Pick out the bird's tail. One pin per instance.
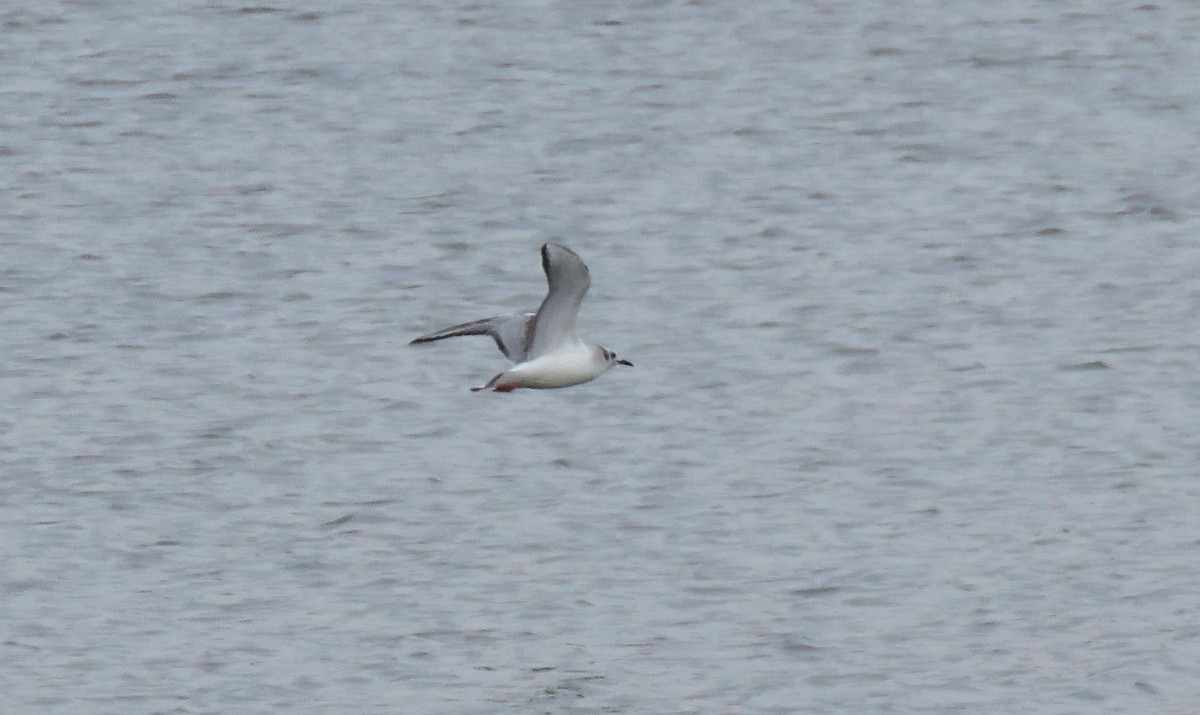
(491, 383)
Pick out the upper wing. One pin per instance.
(554, 322)
(511, 333)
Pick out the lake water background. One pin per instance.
(911, 290)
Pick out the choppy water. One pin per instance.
(911, 290)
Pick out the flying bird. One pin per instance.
(544, 347)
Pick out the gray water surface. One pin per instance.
(911, 290)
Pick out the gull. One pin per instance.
(544, 346)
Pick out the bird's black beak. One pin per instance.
(624, 362)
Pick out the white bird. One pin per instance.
(547, 351)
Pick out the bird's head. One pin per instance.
(611, 358)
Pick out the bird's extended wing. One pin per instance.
(511, 333)
(554, 322)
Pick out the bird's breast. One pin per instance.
(557, 370)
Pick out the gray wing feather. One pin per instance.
(554, 322)
(511, 333)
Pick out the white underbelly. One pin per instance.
(555, 370)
